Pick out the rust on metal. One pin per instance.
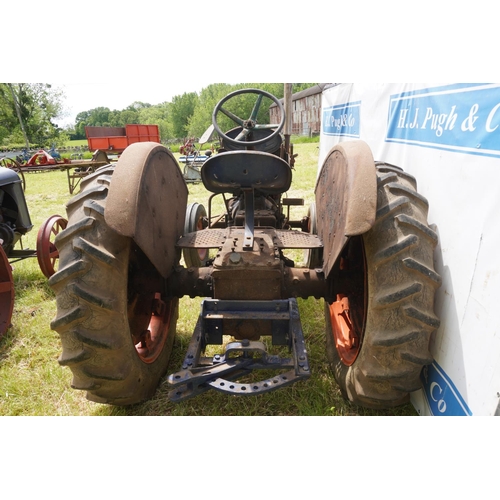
(151, 211)
(304, 283)
(349, 172)
(214, 238)
(234, 264)
(149, 343)
(205, 238)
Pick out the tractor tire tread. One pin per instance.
(91, 296)
(401, 287)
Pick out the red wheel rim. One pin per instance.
(46, 251)
(149, 314)
(348, 311)
(150, 342)
(6, 293)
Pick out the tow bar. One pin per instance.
(240, 358)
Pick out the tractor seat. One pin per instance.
(236, 170)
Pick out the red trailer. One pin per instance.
(116, 139)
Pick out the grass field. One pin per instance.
(33, 383)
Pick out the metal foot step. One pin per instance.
(241, 358)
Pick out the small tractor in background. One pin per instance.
(15, 222)
(369, 256)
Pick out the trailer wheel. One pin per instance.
(196, 220)
(379, 325)
(116, 325)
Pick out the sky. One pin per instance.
(153, 52)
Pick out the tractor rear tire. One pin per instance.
(116, 326)
(379, 326)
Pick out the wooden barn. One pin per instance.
(306, 106)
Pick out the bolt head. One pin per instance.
(235, 258)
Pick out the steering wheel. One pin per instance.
(250, 124)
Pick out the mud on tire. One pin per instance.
(389, 299)
(116, 327)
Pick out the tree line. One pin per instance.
(28, 112)
(186, 115)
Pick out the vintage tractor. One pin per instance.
(15, 222)
(369, 256)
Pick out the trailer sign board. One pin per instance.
(447, 136)
(342, 120)
(459, 118)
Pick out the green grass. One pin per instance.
(33, 383)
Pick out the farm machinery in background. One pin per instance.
(193, 157)
(103, 141)
(114, 140)
(107, 141)
(44, 161)
(36, 162)
(369, 256)
(15, 222)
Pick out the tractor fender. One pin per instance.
(346, 197)
(147, 202)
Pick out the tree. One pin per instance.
(138, 105)
(297, 87)
(181, 110)
(201, 118)
(158, 115)
(242, 107)
(19, 116)
(97, 117)
(126, 116)
(32, 107)
(104, 117)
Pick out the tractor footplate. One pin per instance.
(241, 357)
